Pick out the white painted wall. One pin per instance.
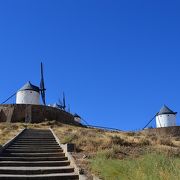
(77, 119)
(165, 120)
(27, 97)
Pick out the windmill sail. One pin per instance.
(62, 104)
(42, 87)
(64, 101)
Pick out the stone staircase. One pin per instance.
(35, 155)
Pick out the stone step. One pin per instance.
(40, 150)
(37, 131)
(36, 137)
(40, 145)
(33, 148)
(33, 142)
(36, 134)
(50, 139)
(60, 176)
(56, 158)
(23, 154)
(35, 170)
(34, 164)
(37, 141)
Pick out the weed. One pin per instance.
(117, 140)
(164, 141)
(144, 142)
(69, 138)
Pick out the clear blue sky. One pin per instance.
(117, 61)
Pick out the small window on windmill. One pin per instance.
(30, 91)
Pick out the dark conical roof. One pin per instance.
(166, 110)
(29, 86)
(76, 115)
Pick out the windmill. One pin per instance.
(29, 93)
(42, 87)
(62, 104)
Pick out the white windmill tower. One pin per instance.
(165, 118)
(30, 94)
(77, 118)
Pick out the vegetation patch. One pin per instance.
(150, 166)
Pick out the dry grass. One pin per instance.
(8, 131)
(92, 140)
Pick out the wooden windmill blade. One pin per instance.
(42, 86)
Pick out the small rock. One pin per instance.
(84, 156)
(81, 171)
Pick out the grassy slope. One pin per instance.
(125, 155)
(112, 155)
(149, 166)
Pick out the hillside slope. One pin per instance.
(114, 155)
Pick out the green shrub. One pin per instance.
(69, 138)
(110, 153)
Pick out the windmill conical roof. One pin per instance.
(76, 115)
(166, 110)
(29, 86)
